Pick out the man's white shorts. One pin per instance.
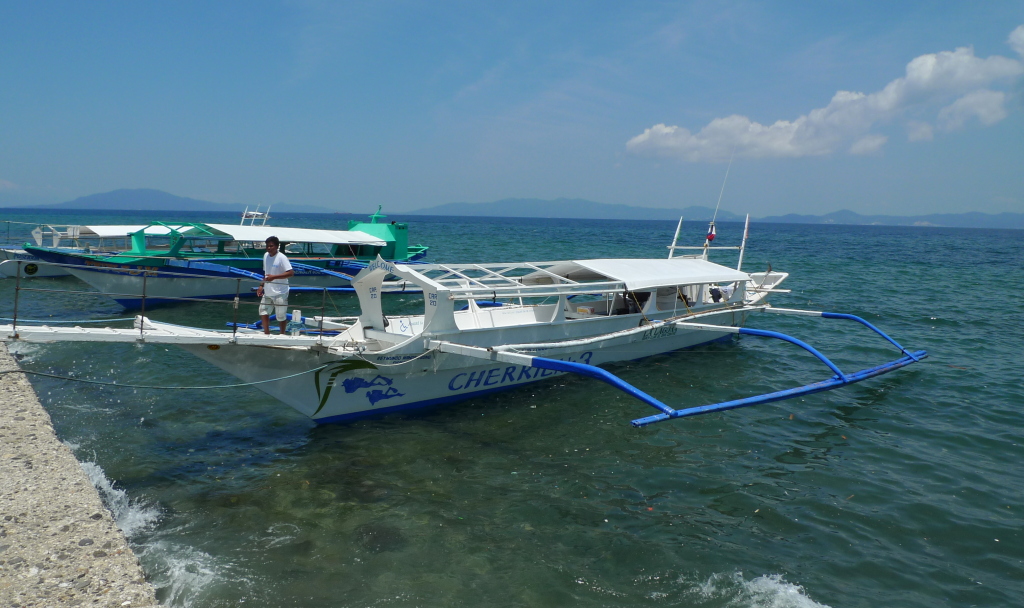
(269, 303)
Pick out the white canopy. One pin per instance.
(642, 273)
(235, 232)
(297, 235)
(114, 231)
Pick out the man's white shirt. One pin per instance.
(277, 264)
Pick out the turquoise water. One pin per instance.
(904, 490)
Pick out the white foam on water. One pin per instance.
(766, 591)
(131, 516)
(277, 534)
(184, 575)
(26, 349)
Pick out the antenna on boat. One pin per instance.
(378, 215)
(711, 226)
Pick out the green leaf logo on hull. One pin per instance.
(323, 389)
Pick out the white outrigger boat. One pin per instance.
(491, 327)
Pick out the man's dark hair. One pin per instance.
(274, 240)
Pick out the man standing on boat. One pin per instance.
(273, 291)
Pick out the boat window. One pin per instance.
(630, 302)
(692, 293)
(668, 299)
(367, 251)
(584, 306)
(721, 293)
(636, 301)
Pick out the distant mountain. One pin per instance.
(571, 208)
(951, 220)
(147, 199)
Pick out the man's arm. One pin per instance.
(284, 275)
(272, 277)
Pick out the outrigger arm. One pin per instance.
(667, 412)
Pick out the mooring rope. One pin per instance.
(45, 375)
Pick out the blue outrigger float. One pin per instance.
(494, 327)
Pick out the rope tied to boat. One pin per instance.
(640, 308)
(145, 386)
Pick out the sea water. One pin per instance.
(903, 490)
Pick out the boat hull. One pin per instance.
(350, 387)
(31, 266)
(168, 281)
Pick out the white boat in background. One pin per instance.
(170, 262)
(491, 327)
(93, 239)
(254, 216)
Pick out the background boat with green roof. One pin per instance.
(168, 262)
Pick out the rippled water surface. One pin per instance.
(904, 490)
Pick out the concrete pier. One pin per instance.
(58, 544)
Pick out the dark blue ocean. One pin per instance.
(904, 490)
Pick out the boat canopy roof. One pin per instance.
(122, 230)
(548, 278)
(297, 235)
(240, 233)
(639, 274)
(235, 232)
(443, 284)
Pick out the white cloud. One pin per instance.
(869, 144)
(1017, 40)
(986, 105)
(6, 185)
(920, 131)
(930, 80)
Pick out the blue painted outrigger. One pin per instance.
(667, 413)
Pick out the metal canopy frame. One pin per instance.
(470, 281)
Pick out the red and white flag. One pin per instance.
(711, 232)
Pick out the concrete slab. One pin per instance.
(59, 545)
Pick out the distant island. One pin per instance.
(572, 208)
(145, 199)
(148, 199)
(580, 208)
(950, 220)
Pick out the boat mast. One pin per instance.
(672, 247)
(743, 243)
(711, 226)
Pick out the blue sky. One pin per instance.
(878, 107)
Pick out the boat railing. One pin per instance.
(537, 291)
(144, 294)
